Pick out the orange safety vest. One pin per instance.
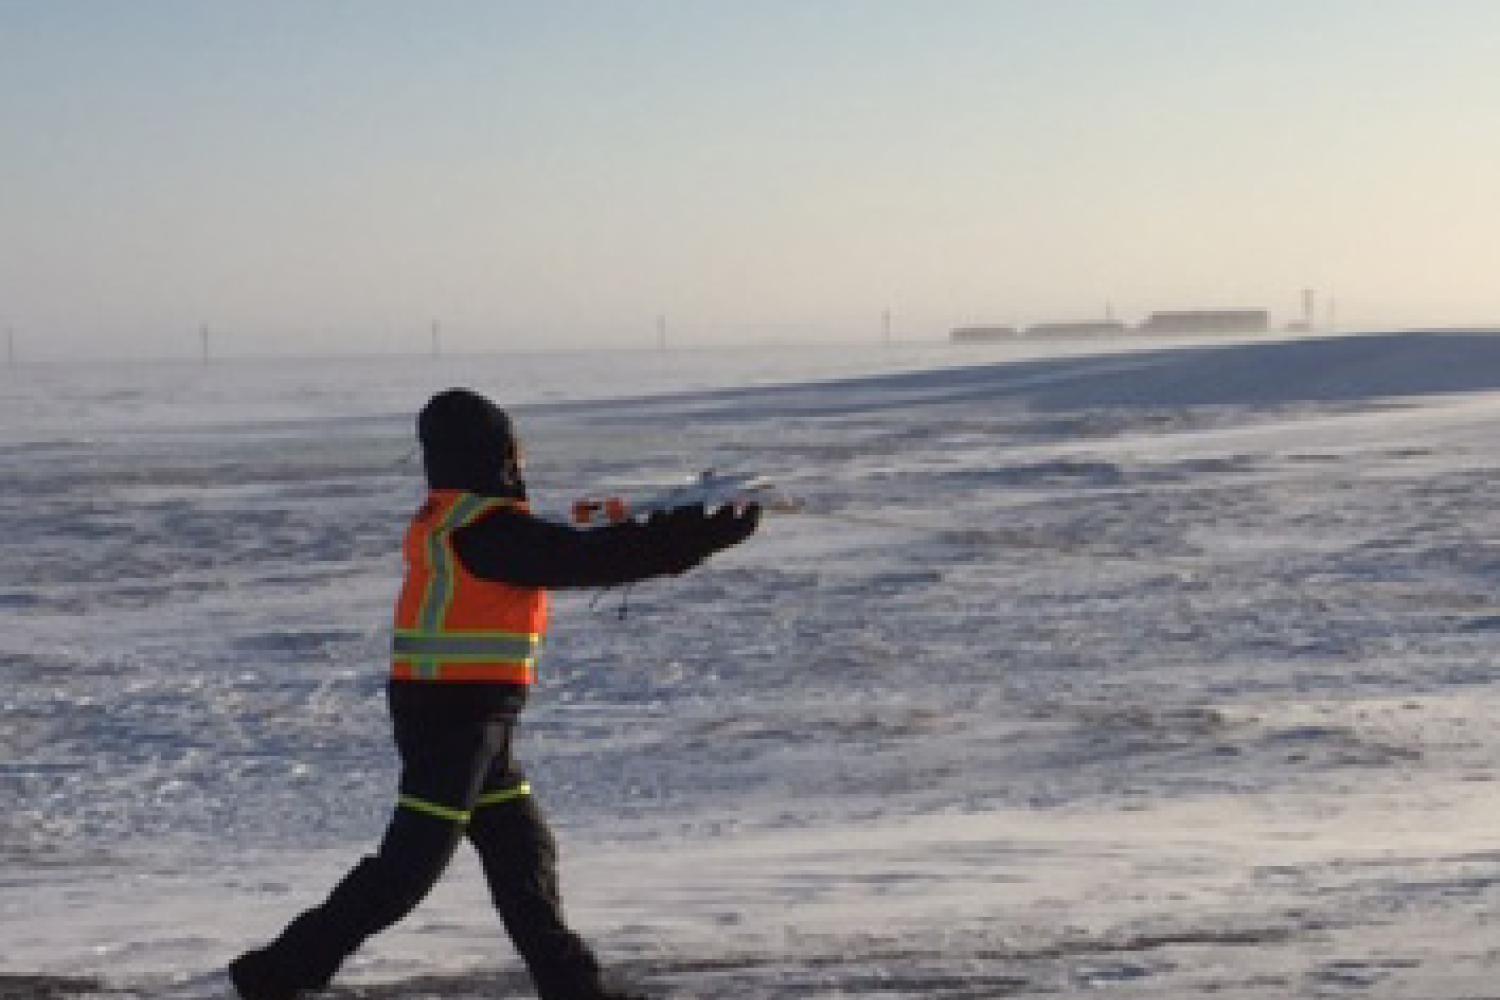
(452, 626)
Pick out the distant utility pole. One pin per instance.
(203, 339)
(885, 327)
(437, 339)
(661, 332)
(1309, 309)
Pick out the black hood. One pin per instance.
(468, 443)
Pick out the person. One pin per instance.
(470, 618)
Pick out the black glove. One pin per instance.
(730, 526)
(679, 537)
(685, 536)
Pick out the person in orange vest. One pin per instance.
(470, 618)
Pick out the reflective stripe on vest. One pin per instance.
(453, 647)
(441, 638)
(442, 586)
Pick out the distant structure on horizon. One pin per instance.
(1208, 321)
(1168, 321)
(1308, 323)
(1085, 328)
(983, 334)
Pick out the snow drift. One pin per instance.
(1161, 672)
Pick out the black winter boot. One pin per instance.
(257, 977)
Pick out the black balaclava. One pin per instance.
(468, 443)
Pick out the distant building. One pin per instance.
(1208, 321)
(1088, 328)
(982, 334)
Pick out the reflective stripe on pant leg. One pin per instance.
(504, 795)
(448, 813)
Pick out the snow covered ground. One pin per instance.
(1125, 670)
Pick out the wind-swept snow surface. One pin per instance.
(1160, 673)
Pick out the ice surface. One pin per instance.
(1164, 672)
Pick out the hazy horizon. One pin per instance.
(332, 178)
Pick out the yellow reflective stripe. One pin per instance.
(477, 633)
(504, 795)
(433, 809)
(475, 647)
(462, 514)
(438, 659)
(461, 816)
(440, 583)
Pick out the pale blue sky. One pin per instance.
(334, 175)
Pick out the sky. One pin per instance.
(340, 175)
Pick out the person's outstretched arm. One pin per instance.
(516, 548)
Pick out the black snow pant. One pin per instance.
(457, 780)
